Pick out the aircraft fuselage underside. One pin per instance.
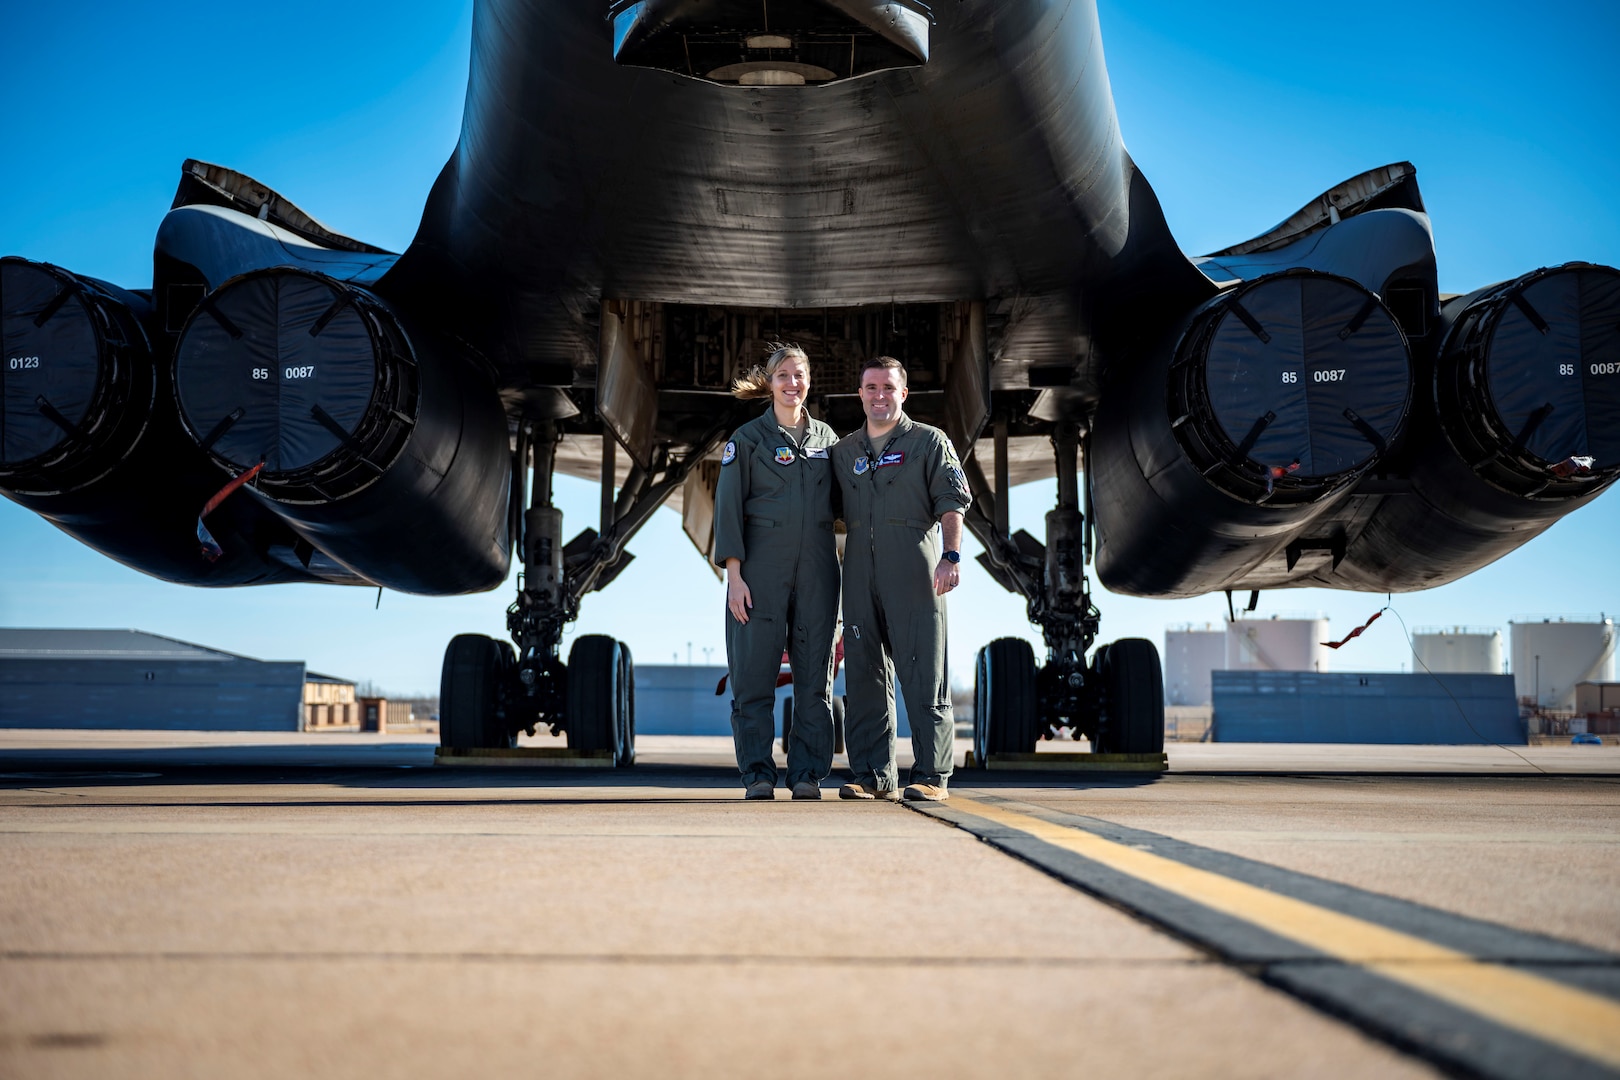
(646, 196)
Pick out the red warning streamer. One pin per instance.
(210, 547)
(1357, 632)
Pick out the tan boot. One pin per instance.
(926, 793)
(861, 791)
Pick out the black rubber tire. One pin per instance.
(1132, 720)
(1094, 722)
(787, 721)
(1005, 704)
(627, 710)
(838, 710)
(595, 695)
(472, 686)
(981, 708)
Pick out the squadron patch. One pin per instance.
(730, 453)
(815, 451)
(893, 457)
(862, 463)
(784, 455)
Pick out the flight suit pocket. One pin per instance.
(928, 651)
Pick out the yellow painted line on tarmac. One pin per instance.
(1584, 1023)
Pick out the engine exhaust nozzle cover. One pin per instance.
(1290, 385)
(309, 376)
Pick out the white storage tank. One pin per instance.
(1457, 650)
(1553, 653)
(1277, 644)
(1190, 653)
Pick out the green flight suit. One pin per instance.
(893, 623)
(773, 509)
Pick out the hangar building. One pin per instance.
(130, 679)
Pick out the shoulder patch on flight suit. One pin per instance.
(862, 463)
(893, 457)
(784, 455)
(730, 453)
(815, 451)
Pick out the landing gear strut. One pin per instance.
(488, 694)
(1117, 700)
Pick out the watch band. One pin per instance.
(953, 556)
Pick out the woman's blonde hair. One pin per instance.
(756, 381)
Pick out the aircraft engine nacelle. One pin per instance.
(1279, 394)
(1525, 429)
(1529, 378)
(89, 439)
(386, 452)
(77, 374)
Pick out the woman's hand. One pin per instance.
(738, 598)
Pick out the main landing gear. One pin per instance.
(1117, 699)
(488, 692)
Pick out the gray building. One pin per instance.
(1370, 707)
(131, 679)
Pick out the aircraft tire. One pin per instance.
(1133, 698)
(1005, 704)
(787, 721)
(627, 710)
(471, 686)
(595, 695)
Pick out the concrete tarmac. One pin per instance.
(247, 906)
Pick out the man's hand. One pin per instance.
(947, 575)
(738, 598)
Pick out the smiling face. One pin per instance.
(790, 382)
(883, 392)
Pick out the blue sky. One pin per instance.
(1236, 113)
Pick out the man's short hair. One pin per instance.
(884, 362)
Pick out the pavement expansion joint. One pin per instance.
(654, 959)
(1426, 981)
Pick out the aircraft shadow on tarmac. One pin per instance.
(368, 768)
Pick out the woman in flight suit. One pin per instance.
(773, 533)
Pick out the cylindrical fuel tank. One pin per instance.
(1276, 396)
(1522, 426)
(90, 441)
(387, 453)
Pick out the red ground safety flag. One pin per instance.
(210, 547)
(1357, 632)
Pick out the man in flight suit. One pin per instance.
(897, 477)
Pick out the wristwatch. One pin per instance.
(953, 556)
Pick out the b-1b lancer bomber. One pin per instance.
(644, 194)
